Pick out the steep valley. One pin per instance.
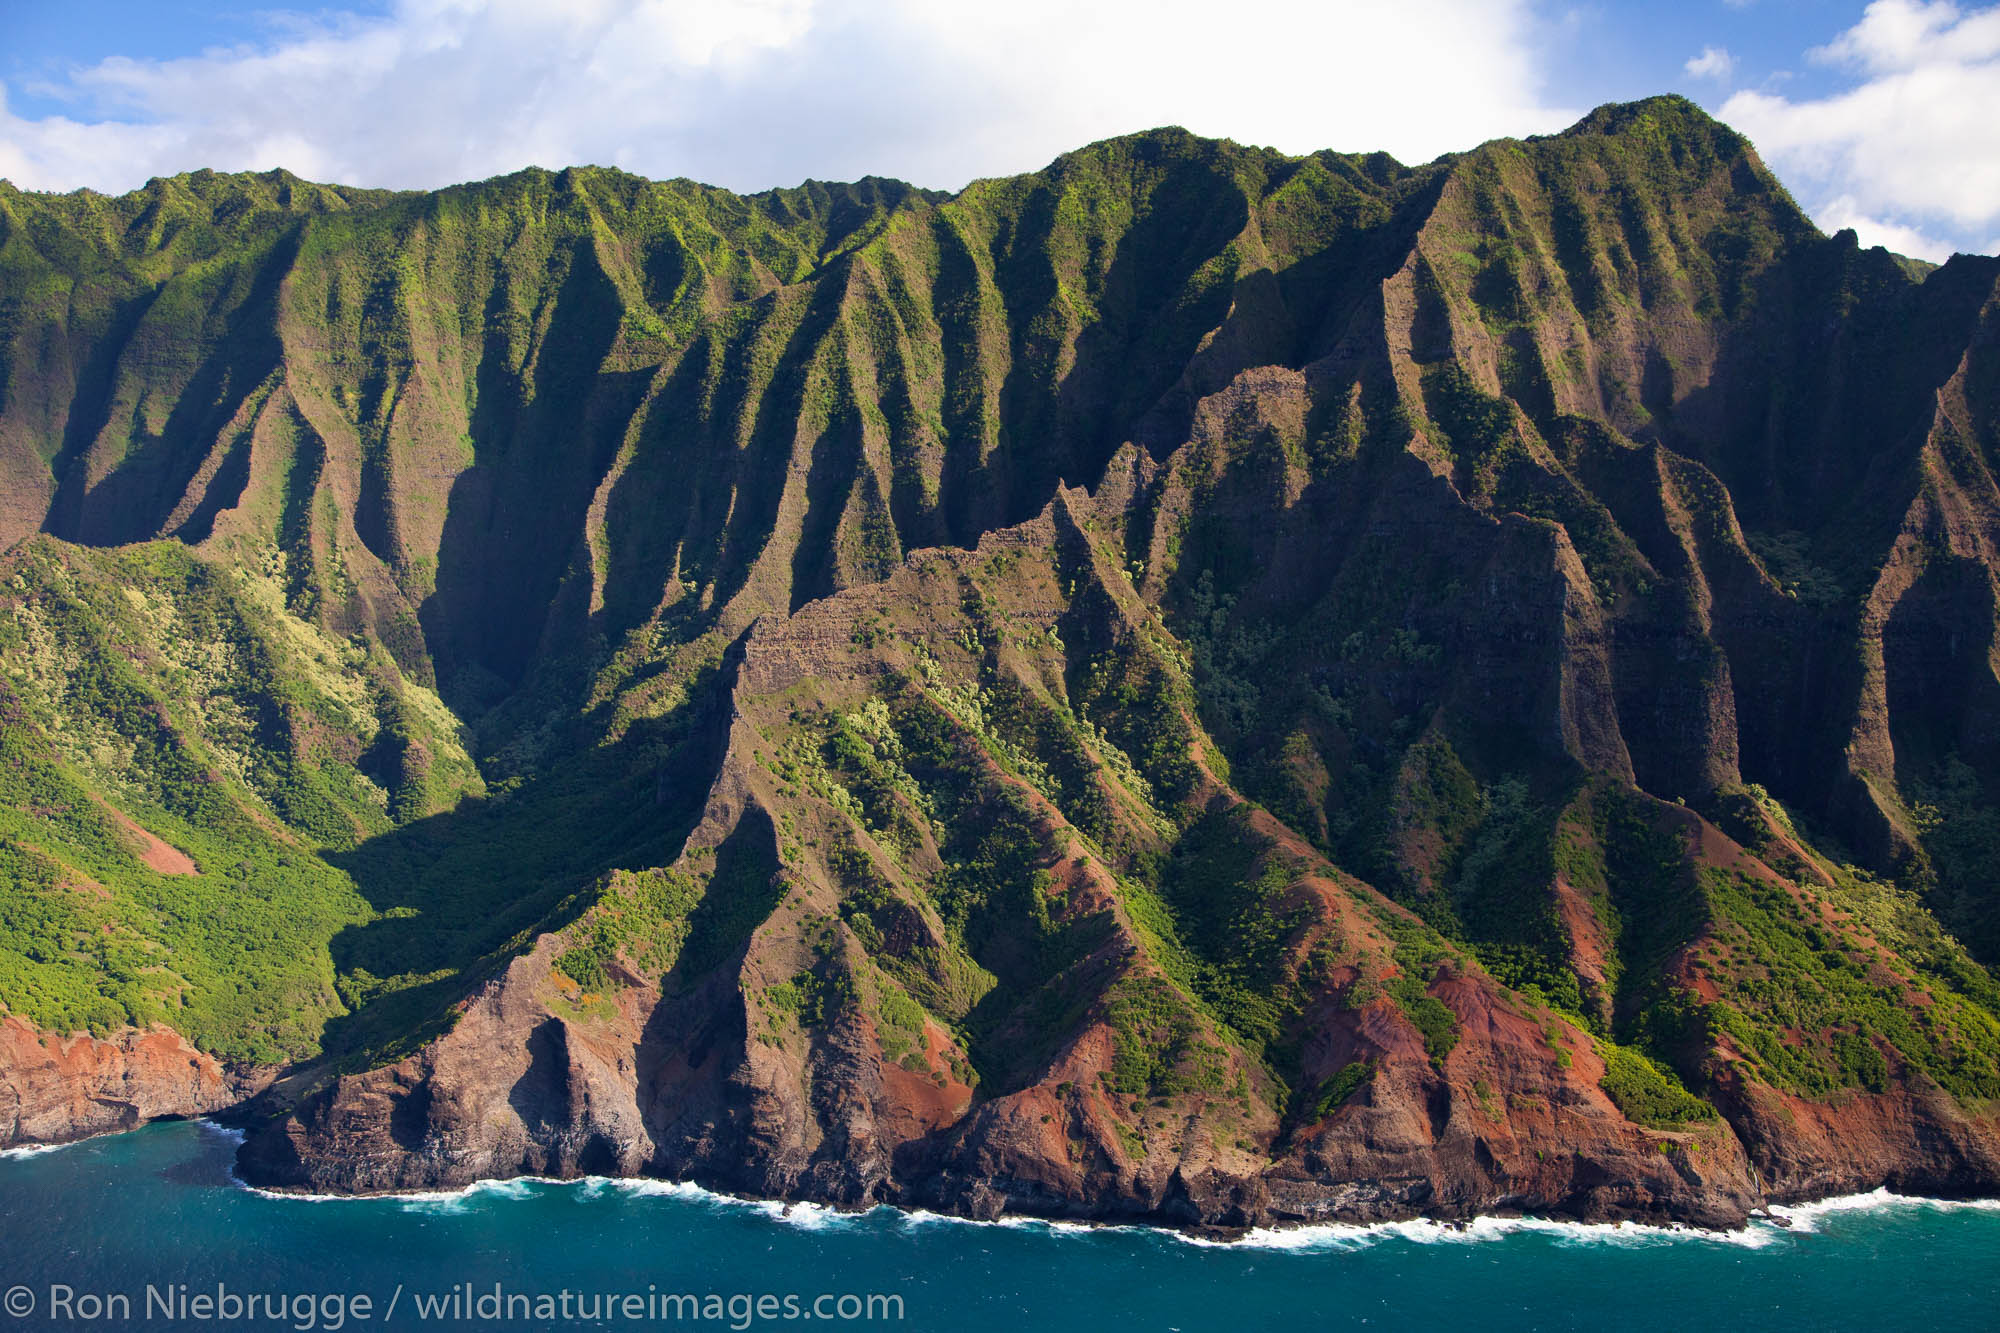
(1195, 686)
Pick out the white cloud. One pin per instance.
(1843, 212)
(752, 93)
(1713, 63)
(1896, 35)
(1914, 147)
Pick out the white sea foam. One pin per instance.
(1345, 1236)
(808, 1216)
(460, 1200)
(43, 1149)
(1806, 1217)
(1330, 1236)
(33, 1150)
(917, 1218)
(805, 1216)
(441, 1200)
(643, 1187)
(1055, 1226)
(1340, 1236)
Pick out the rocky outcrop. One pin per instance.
(1506, 1125)
(515, 1089)
(57, 1089)
(511, 1090)
(1913, 1141)
(1194, 685)
(1448, 1100)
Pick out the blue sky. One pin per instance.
(1604, 52)
(1882, 116)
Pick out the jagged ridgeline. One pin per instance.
(1195, 684)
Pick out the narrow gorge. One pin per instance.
(1194, 686)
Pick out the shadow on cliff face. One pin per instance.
(541, 1096)
(696, 1111)
(135, 499)
(1067, 403)
(545, 431)
(409, 1122)
(460, 893)
(1815, 440)
(691, 1044)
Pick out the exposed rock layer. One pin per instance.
(1194, 685)
(56, 1089)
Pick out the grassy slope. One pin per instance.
(497, 473)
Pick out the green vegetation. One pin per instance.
(1646, 1090)
(1502, 893)
(1231, 925)
(812, 999)
(332, 904)
(1009, 937)
(1960, 827)
(1013, 612)
(1161, 1049)
(1335, 1091)
(639, 920)
(1142, 706)
(1429, 1014)
(899, 1027)
(1808, 1005)
(233, 956)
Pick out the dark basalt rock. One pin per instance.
(1194, 686)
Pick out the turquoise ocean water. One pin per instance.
(156, 1219)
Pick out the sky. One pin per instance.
(1883, 116)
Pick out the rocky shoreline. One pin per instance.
(1387, 707)
(59, 1089)
(1773, 1212)
(460, 1113)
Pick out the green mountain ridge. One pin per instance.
(1195, 683)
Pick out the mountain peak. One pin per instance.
(1188, 685)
